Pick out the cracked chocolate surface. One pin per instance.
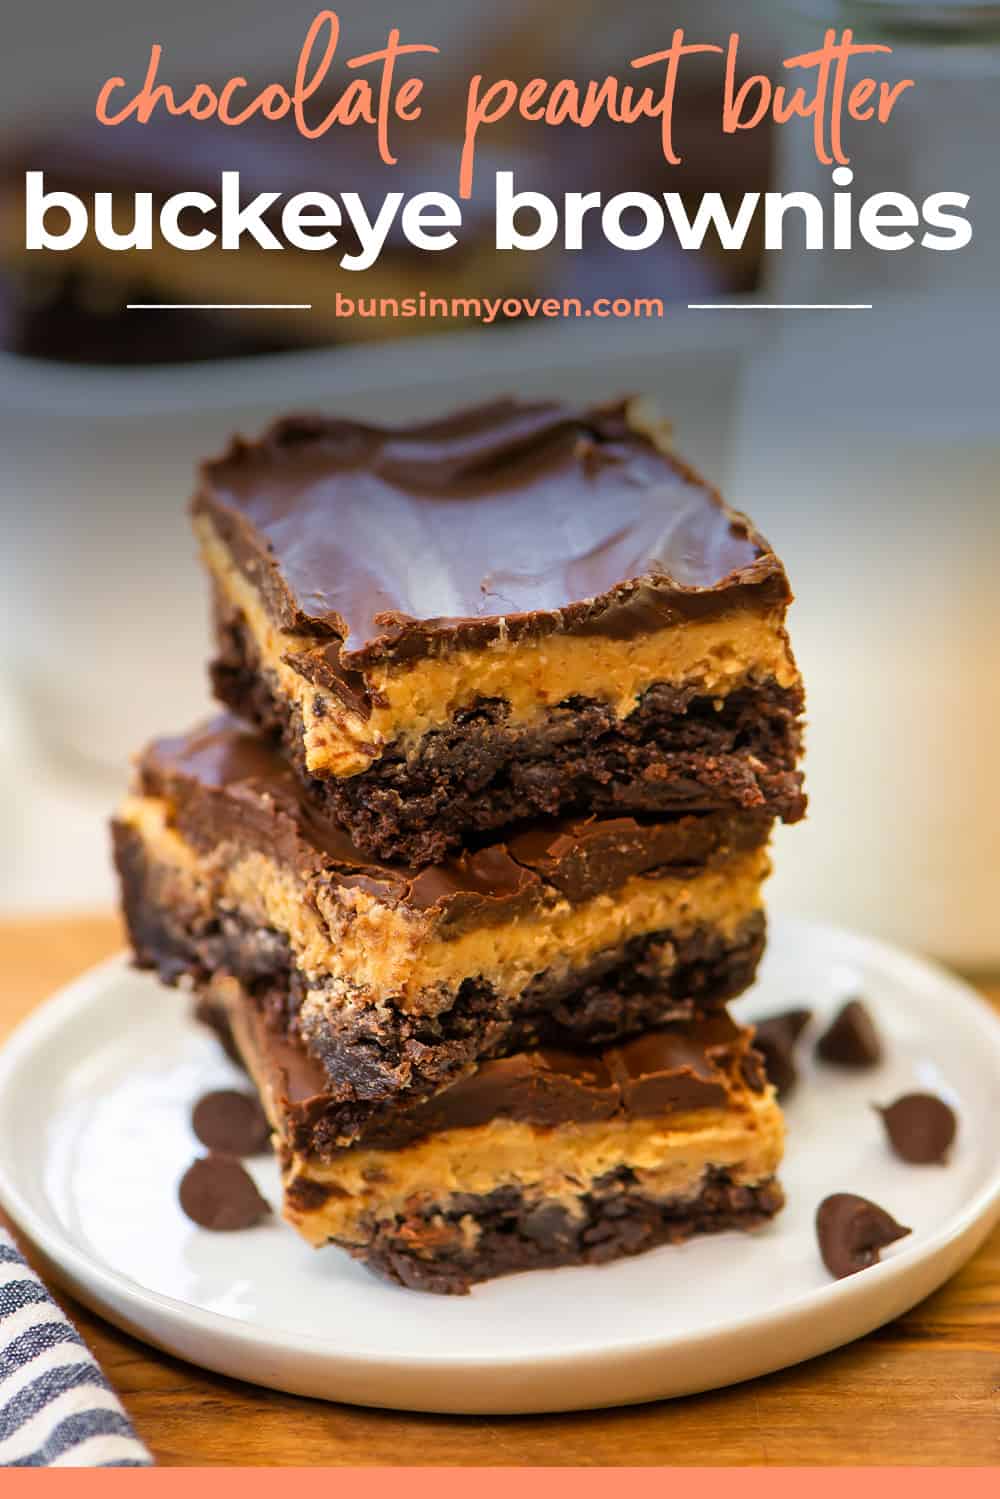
(508, 520)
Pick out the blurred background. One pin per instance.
(864, 444)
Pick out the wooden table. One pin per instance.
(925, 1389)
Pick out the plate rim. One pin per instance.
(103, 1286)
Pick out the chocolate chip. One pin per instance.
(775, 1039)
(230, 1122)
(851, 1040)
(851, 1231)
(921, 1128)
(217, 1193)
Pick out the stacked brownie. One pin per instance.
(471, 865)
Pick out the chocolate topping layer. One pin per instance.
(226, 784)
(498, 522)
(680, 1068)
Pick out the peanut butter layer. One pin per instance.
(669, 1158)
(345, 727)
(351, 943)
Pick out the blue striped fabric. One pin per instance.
(56, 1408)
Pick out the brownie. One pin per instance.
(399, 979)
(518, 610)
(541, 1159)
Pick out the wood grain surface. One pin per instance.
(924, 1390)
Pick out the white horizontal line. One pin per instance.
(780, 306)
(218, 306)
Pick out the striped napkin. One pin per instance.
(56, 1408)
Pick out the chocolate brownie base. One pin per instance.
(677, 752)
(375, 1054)
(447, 1247)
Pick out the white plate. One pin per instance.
(95, 1092)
